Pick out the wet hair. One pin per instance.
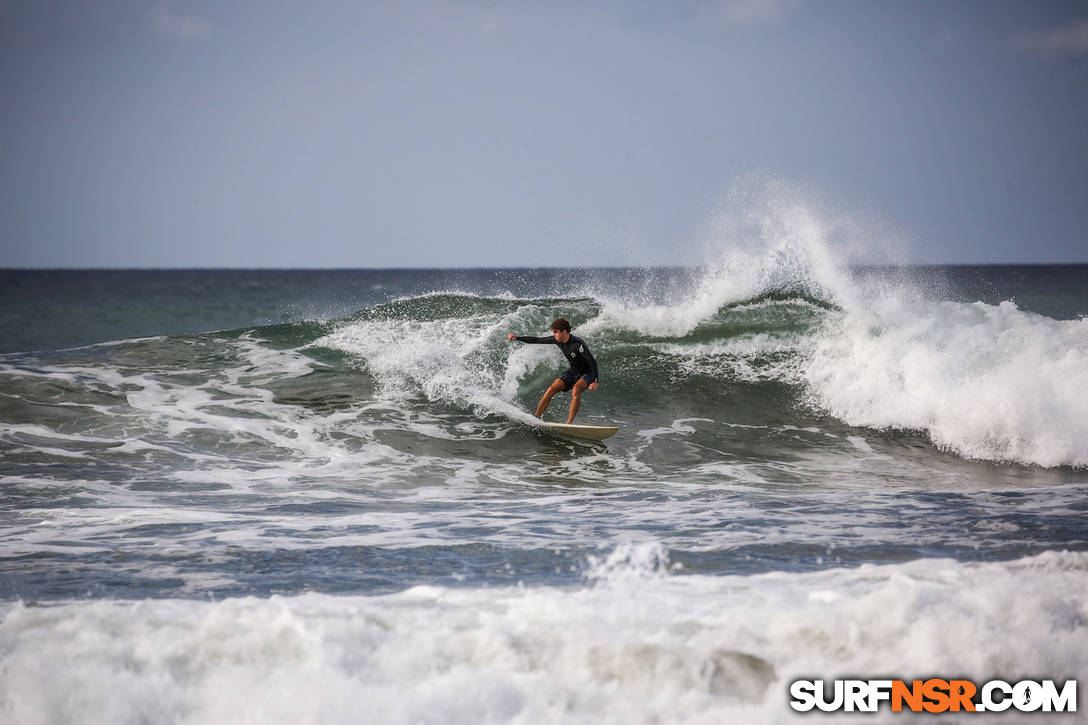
(561, 324)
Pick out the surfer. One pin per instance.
(581, 374)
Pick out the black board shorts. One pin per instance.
(570, 377)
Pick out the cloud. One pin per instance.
(1069, 40)
(180, 26)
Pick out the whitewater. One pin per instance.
(258, 496)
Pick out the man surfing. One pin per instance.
(581, 374)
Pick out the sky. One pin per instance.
(476, 133)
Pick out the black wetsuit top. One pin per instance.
(575, 350)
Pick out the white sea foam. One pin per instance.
(638, 643)
(751, 358)
(221, 429)
(989, 382)
(445, 360)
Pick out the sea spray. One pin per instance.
(984, 381)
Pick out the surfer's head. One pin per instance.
(561, 329)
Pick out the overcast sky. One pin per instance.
(468, 133)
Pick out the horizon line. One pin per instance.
(504, 268)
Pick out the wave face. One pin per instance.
(259, 496)
(785, 328)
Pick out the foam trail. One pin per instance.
(451, 360)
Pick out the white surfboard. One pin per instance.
(588, 432)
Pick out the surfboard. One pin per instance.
(588, 432)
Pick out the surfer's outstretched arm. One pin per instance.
(549, 340)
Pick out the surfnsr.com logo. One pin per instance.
(934, 695)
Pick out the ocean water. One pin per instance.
(315, 496)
